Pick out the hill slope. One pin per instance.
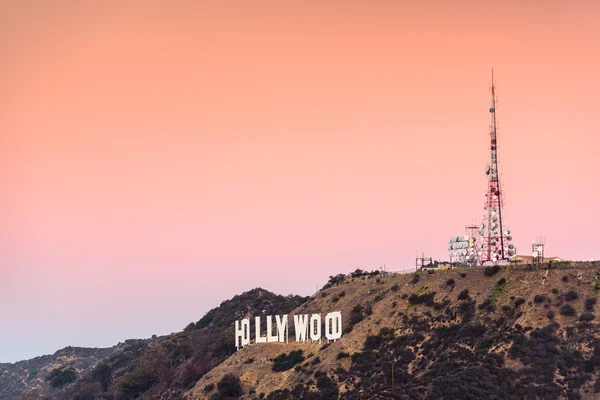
(161, 367)
(456, 334)
(23, 376)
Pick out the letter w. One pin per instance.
(301, 327)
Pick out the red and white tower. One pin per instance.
(494, 245)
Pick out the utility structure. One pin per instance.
(422, 261)
(537, 251)
(494, 246)
(463, 249)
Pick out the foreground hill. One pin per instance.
(456, 334)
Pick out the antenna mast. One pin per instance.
(494, 244)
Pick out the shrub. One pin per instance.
(450, 282)
(463, 275)
(501, 282)
(427, 299)
(571, 295)
(555, 290)
(587, 316)
(208, 388)
(395, 287)
(102, 374)
(567, 310)
(230, 385)
(464, 295)
(539, 298)
(487, 305)
(358, 273)
(491, 270)
(550, 314)
(519, 301)
(565, 278)
(284, 362)
(342, 354)
(415, 278)
(334, 299)
(589, 303)
(249, 361)
(334, 280)
(60, 377)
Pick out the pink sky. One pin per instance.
(155, 161)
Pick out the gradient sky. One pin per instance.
(156, 160)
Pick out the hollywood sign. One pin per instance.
(305, 329)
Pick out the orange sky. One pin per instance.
(155, 160)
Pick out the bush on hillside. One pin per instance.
(60, 377)
(589, 303)
(491, 270)
(464, 295)
(230, 385)
(571, 295)
(539, 298)
(567, 310)
(334, 280)
(284, 362)
(587, 316)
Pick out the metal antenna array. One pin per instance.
(537, 250)
(422, 261)
(494, 246)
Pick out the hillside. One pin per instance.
(464, 333)
(16, 378)
(456, 334)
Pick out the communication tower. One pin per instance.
(494, 247)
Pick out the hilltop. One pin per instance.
(463, 333)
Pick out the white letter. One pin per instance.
(281, 326)
(270, 337)
(246, 332)
(301, 327)
(238, 332)
(315, 331)
(335, 319)
(242, 332)
(259, 339)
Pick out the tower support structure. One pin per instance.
(494, 247)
